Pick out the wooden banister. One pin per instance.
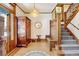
(75, 26)
(69, 7)
(71, 12)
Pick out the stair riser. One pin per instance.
(68, 42)
(63, 38)
(66, 36)
(71, 54)
(70, 48)
(65, 33)
(62, 27)
(63, 30)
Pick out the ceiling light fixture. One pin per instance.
(34, 12)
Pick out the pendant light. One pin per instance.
(34, 12)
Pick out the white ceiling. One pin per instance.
(41, 7)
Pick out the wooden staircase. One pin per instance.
(69, 44)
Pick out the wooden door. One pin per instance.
(28, 30)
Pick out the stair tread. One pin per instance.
(70, 48)
(66, 36)
(71, 51)
(68, 45)
(65, 33)
(69, 40)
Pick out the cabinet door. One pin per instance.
(21, 31)
(28, 29)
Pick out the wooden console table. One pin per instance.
(38, 39)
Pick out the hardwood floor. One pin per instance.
(35, 46)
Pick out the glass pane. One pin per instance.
(21, 28)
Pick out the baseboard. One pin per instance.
(35, 40)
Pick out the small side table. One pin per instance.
(38, 39)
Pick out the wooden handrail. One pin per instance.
(71, 17)
(69, 7)
(75, 26)
(72, 13)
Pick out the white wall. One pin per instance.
(19, 12)
(75, 22)
(44, 30)
(73, 30)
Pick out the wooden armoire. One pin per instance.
(24, 31)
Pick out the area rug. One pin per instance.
(36, 53)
